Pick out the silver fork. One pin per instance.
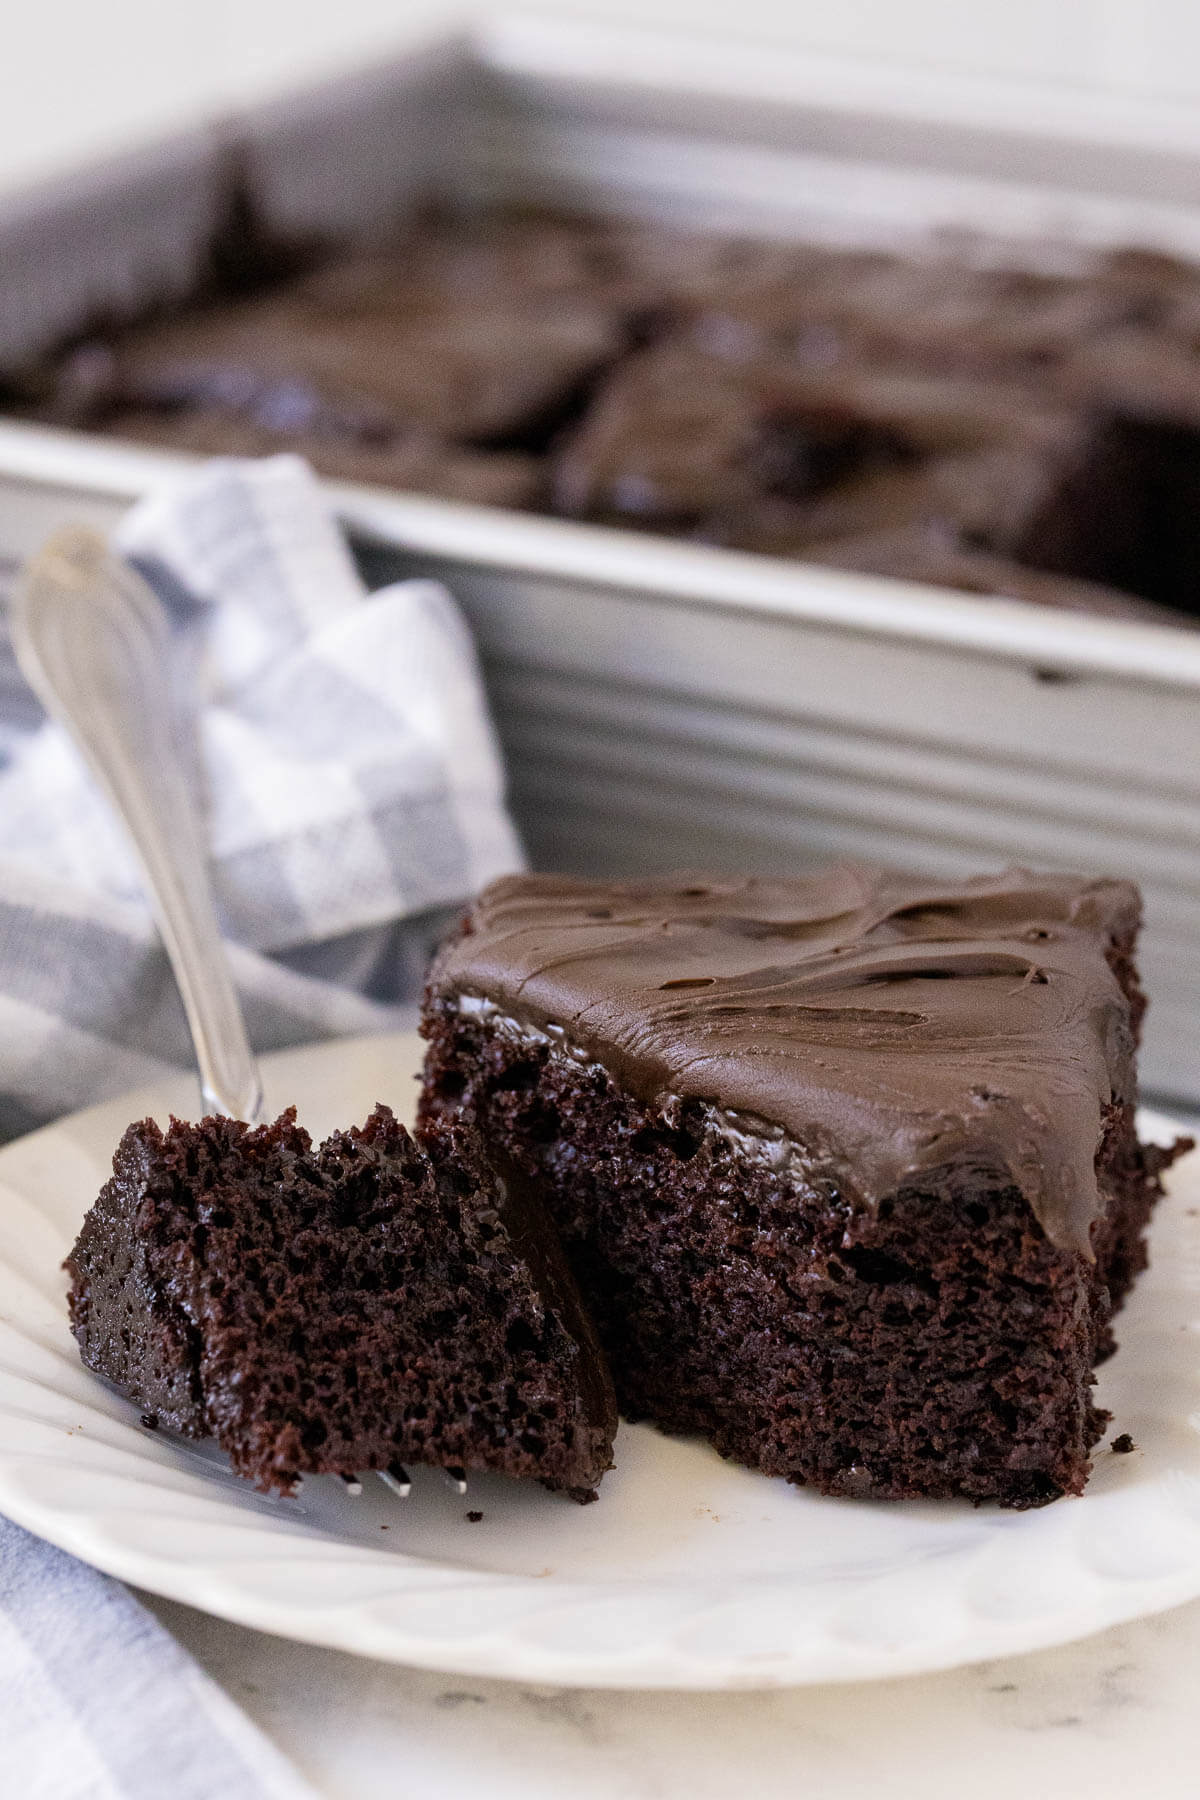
(92, 641)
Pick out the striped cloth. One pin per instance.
(353, 793)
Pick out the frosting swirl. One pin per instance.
(890, 1026)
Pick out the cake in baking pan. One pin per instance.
(940, 417)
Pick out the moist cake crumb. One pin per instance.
(373, 1301)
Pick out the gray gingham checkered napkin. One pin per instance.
(98, 1701)
(348, 770)
(354, 800)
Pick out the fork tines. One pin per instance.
(397, 1479)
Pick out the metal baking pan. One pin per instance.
(663, 703)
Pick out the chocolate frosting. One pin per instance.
(889, 1026)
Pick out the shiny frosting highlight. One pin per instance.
(889, 1026)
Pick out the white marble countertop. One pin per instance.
(1112, 1716)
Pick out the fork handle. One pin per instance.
(92, 641)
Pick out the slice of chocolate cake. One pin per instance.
(331, 1310)
(846, 1166)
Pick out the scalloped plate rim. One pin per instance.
(500, 1651)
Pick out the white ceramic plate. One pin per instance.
(688, 1573)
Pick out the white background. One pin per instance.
(80, 76)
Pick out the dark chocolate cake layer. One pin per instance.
(332, 1310)
(846, 1166)
(935, 417)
